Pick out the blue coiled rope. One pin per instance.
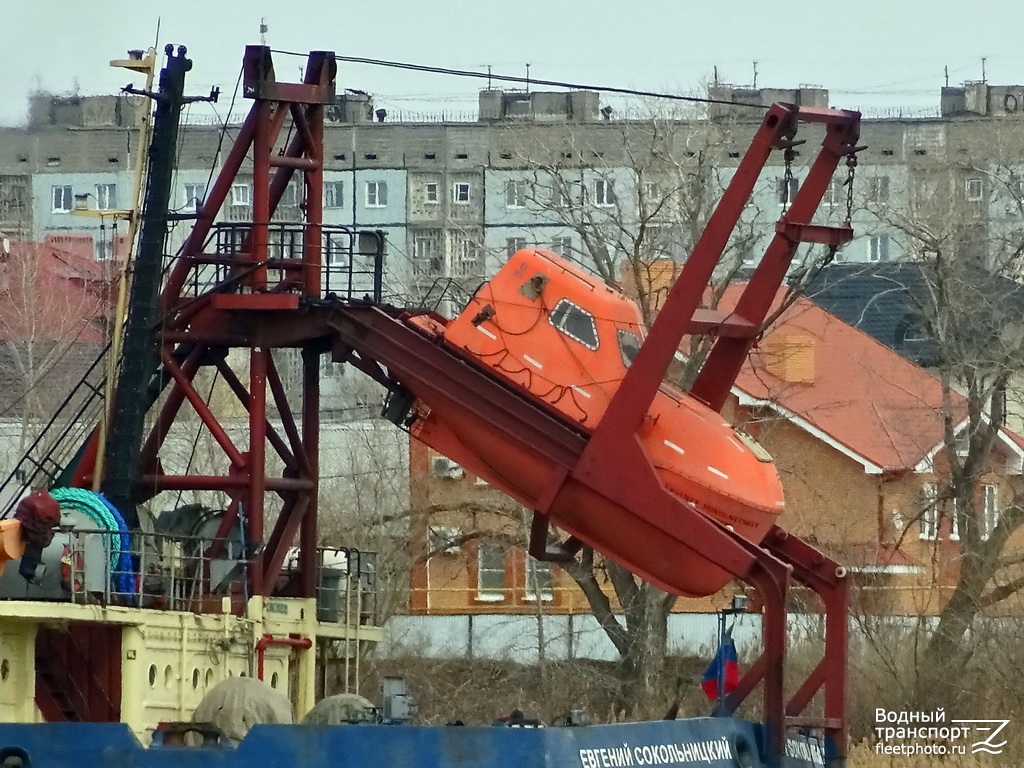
(105, 517)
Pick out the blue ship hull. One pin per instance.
(708, 742)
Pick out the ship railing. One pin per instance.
(188, 573)
(346, 590)
(352, 261)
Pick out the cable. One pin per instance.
(525, 80)
(223, 131)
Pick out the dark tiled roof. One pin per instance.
(882, 300)
(892, 301)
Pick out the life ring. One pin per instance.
(66, 582)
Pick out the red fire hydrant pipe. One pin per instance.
(294, 641)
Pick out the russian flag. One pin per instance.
(723, 673)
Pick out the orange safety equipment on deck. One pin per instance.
(12, 546)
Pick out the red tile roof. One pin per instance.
(52, 291)
(856, 392)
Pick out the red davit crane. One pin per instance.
(252, 295)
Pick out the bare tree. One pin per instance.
(961, 221)
(634, 197)
(53, 304)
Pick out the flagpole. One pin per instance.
(738, 605)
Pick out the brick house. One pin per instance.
(856, 431)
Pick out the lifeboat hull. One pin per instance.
(566, 339)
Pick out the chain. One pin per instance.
(851, 165)
(787, 178)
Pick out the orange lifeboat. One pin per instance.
(550, 328)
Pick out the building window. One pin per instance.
(428, 259)
(515, 194)
(466, 256)
(460, 192)
(787, 190)
(878, 189)
(562, 246)
(241, 195)
(104, 248)
(604, 193)
(63, 200)
(929, 512)
(106, 197)
(514, 244)
(337, 253)
(444, 540)
(575, 322)
(650, 191)
(490, 570)
(431, 192)
(334, 196)
(194, 195)
(954, 521)
(559, 195)
(989, 509)
(834, 194)
(878, 248)
(975, 190)
(290, 196)
(539, 580)
(376, 194)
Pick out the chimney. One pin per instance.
(789, 357)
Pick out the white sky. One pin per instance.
(871, 54)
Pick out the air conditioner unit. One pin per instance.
(444, 540)
(442, 466)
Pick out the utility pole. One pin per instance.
(138, 384)
(755, 75)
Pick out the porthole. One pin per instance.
(168, 677)
(195, 679)
(152, 674)
(5, 669)
(273, 680)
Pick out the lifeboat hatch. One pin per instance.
(534, 287)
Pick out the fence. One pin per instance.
(526, 639)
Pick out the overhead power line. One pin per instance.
(526, 81)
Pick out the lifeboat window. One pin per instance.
(575, 322)
(629, 346)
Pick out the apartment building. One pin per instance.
(547, 169)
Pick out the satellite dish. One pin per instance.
(6, 245)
